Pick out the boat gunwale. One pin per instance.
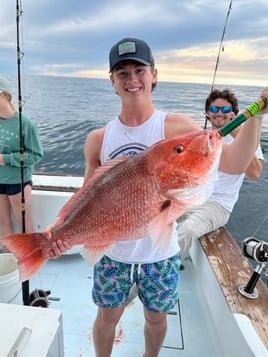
(233, 269)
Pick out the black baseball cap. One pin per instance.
(130, 49)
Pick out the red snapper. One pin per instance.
(128, 199)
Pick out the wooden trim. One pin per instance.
(232, 269)
(54, 188)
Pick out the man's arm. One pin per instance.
(236, 157)
(92, 152)
(254, 170)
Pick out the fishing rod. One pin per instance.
(38, 297)
(221, 48)
(250, 111)
(25, 284)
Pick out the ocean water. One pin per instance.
(66, 109)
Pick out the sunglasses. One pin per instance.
(216, 109)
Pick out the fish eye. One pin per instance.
(178, 149)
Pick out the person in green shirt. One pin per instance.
(10, 163)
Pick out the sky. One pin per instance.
(73, 37)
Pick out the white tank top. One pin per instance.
(121, 140)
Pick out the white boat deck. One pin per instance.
(70, 279)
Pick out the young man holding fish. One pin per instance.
(221, 107)
(146, 193)
(139, 124)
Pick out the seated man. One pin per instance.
(220, 107)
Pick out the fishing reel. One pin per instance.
(258, 251)
(40, 298)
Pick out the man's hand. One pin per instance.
(264, 93)
(58, 247)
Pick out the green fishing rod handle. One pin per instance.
(251, 111)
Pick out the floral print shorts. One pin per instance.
(157, 283)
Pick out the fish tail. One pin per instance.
(27, 248)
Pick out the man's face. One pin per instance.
(220, 112)
(132, 79)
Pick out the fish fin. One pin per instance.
(93, 255)
(158, 226)
(28, 251)
(166, 237)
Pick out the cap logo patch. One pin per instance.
(126, 47)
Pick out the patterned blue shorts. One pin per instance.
(157, 283)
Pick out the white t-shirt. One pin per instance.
(227, 187)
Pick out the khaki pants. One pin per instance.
(199, 221)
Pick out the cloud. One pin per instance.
(73, 38)
(239, 61)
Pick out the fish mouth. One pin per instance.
(211, 147)
(214, 142)
(211, 144)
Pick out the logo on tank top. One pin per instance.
(128, 150)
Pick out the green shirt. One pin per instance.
(10, 148)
